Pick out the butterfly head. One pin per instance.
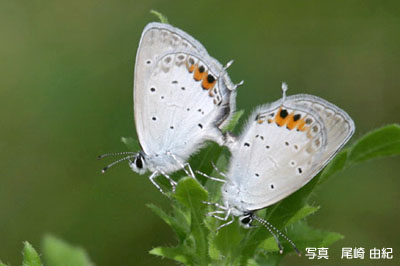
(246, 220)
(138, 163)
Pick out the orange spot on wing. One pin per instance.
(290, 121)
(301, 125)
(279, 120)
(260, 121)
(199, 75)
(191, 68)
(207, 85)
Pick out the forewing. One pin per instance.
(284, 146)
(181, 94)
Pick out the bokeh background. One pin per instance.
(66, 96)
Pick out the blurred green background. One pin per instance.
(66, 96)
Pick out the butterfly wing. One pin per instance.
(284, 145)
(182, 96)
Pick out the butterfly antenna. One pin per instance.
(270, 227)
(115, 154)
(284, 89)
(116, 162)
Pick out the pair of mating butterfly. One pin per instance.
(184, 97)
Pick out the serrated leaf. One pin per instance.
(131, 143)
(227, 239)
(30, 256)
(59, 253)
(381, 142)
(192, 195)
(301, 214)
(305, 236)
(177, 226)
(174, 253)
(234, 121)
(161, 17)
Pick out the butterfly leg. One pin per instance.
(225, 224)
(152, 179)
(210, 177)
(172, 182)
(227, 214)
(183, 165)
(216, 205)
(216, 169)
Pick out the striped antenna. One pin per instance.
(271, 228)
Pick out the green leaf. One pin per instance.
(31, 257)
(161, 17)
(381, 142)
(59, 253)
(131, 143)
(177, 222)
(301, 214)
(192, 195)
(303, 236)
(2, 264)
(234, 121)
(174, 253)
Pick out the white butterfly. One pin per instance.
(282, 147)
(182, 98)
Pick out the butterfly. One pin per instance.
(282, 147)
(182, 98)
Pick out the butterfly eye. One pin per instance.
(139, 162)
(246, 220)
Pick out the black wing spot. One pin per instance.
(296, 147)
(283, 113)
(300, 170)
(200, 125)
(162, 97)
(267, 147)
(188, 109)
(171, 127)
(296, 117)
(286, 143)
(308, 121)
(183, 88)
(201, 69)
(148, 62)
(174, 82)
(257, 175)
(272, 186)
(246, 144)
(210, 78)
(152, 89)
(154, 118)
